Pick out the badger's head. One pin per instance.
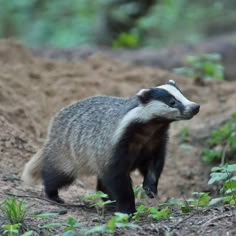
(166, 102)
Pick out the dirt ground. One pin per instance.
(31, 91)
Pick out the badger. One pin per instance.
(110, 137)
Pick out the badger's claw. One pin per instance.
(149, 193)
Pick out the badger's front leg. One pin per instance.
(151, 170)
(118, 185)
(119, 188)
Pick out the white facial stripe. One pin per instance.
(145, 113)
(176, 93)
(142, 91)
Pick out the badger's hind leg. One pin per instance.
(53, 181)
(55, 178)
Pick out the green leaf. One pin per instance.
(234, 116)
(215, 201)
(171, 202)
(230, 199)
(161, 214)
(69, 233)
(230, 191)
(230, 183)
(186, 209)
(71, 221)
(96, 195)
(121, 217)
(231, 168)
(218, 168)
(204, 200)
(217, 177)
(45, 215)
(111, 224)
(127, 225)
(29, 233)
(95, 229)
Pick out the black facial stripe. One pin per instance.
(161, 95)
(180, 106)
(166, 97)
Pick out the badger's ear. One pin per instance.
(171, 82)
(144, 95)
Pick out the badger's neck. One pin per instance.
(140, 140)
(136, 120)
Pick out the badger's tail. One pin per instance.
(32, 171)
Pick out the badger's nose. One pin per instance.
(195, 108)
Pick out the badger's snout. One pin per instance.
(195, 108)
(191, 110)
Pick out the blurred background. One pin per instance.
(115, 23)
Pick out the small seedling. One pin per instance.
(46, 215)
(99, 203)
(226, 175)
(11, 229)
(202, 199)
(139, 192)
(14, 211)
(14, 230)
(221, 143)
(199, 199)
(119, 220)
(70, 226)
(151, 212)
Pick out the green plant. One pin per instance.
(70, 226)
(119, 220)
(28, 233)
(11, 229)
(98, 195)
(199, 199)
(139, 192)
(203, 66)
(151, 212)
(126, 40)
(226, 176)
(221, 142)
(14, 229)
(14, 211)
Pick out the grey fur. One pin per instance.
(79, 137)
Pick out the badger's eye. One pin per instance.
(172, 102)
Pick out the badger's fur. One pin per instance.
(109, 137)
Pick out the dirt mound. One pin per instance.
(15, 148)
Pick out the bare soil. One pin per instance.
(32, 89)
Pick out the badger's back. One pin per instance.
(81, 134)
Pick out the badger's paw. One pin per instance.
(149, 192)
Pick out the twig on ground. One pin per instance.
(215, 218)
(182, 221)
(55, 203)
(206, 224)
